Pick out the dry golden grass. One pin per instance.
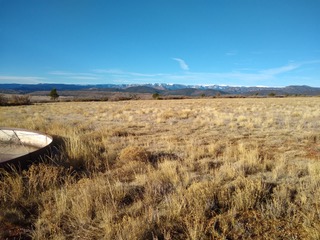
(173, 169)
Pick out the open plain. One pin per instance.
(168, 169)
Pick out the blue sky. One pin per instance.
(226, 42)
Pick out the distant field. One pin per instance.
(171, 169)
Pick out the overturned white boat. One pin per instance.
(21, 147)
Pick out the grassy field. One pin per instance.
(173, 169)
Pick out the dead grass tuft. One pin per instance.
(132, 153)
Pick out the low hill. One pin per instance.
(194, 92)
(142, 89)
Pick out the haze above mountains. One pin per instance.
(165, 89)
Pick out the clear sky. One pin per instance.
(226, 42)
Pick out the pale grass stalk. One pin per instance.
(249, 160)
(49, 221)
(12, 188)
(106, 225)
(227, 172)
(247, 194)
(280, 169)
(197, 198)
(168, 171)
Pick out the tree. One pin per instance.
(156, 96)
(54, 94)
(272, 94)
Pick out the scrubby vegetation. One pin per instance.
(180, 169)
(14, 100)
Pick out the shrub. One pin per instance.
(3, 100)
(19, 100)
(156, 96)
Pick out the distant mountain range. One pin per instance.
(163, 89)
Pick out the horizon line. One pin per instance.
(143, 84)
